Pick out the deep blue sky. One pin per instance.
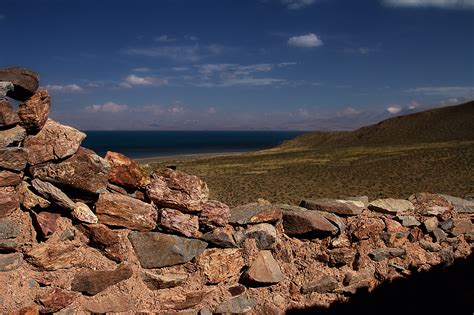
(241, 64)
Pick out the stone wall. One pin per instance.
(80, 233)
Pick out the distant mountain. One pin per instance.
(434, 125)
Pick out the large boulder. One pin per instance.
(24, 80)
(178, 190)
(337, 206)
(13, 159)
(8, 116)
(53, 142)
(124, 171)
(459, 204)
(34, 112)
(176, 221)
(307, 223)
(12, 136)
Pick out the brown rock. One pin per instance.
(8, 178)
(12, 136)
(176, 221)
(9, 201)
(120, 210)
(91, 282)
(124, 171)
(10, 262)
(51, 192)
(337, 206)
(55, 299)
(53, 142)
(157, 282)
(27, 310)
(462, 226)
(24, 80)
(85, 171)
(54, 256)
(391, 206)
(111, 242)
(306, 223)
(30, 200)
(430, 224)
(264, 269)
(430, 204)
(47, 223)
(365, 228)
(394, 239)
(8, 117)
(221, 237)
(219, 265)
(386, 253)
(191, 299)
(324, 283)
(34, 112)
(431, 247)
(214, 214)
(341, 256)
(177, 190)
(254, 213)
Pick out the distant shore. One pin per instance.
(187, 157)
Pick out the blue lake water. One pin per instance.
(143, 144)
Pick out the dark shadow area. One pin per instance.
(441, 290)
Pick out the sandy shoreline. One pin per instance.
(188, 157)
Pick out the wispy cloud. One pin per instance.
(108, 107)
(297, 4)
(64, 88)
(445, 91)
(164, 39)
(190, 53)
(305, 41)
(141, 69)
(362, 50)
(135, 80)
(443, 4)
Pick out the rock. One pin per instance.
(394, 239)
(460, 205)
(237, 290)
(111, 242)
(12, 136)
(34, 112)
(177, 190)
(176, 221)
(337, 206)
(49, 191)
(156, 250)
(5, 87)
(53, 142)
(341, 256)
(447, 256)
(25, 82)
(32, 309)
(462, 226)
(55, 299)
(221, 237)
(47, 223)
(408, 220)
(430, 224)
(214, 214)
(447, 225)
(431, 247)
(237, 305)
(324, 283)
(83, 213)
(264, 234)
(363, 199)
(334, 219)
(54, 256)
(306, 222)
(430, 204)
(9, 201)
(380, 254)
(391, 206)
(365, 228)
(8, 178)
(9, 231)
(10, 262)
(438, 235)
(30, 200)
(191, 299)
(264, 269)
(157, 282)
(363, 275)
(8, 117)
(91, 282)
(120, 210)
(124, 171)
(254, 213)
(219, 265)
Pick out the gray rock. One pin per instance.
(51, 192)
(5, 87)
(12, 136)
(157, 282)
(337, 206)
(460, 205)
(431, 247)
(10, 262)
(304, 223)
(363, 199)
(254, 213)
(322, 284)
(91, 282)
(391, 206)
(264, 269)
(447, 256)
(334, 219)
(408, 220)
(221, 237)
(438, 235)
(13, 159)
(264, 234)
(237, 305)
(446, 225)
(156, 250)
(9, 231)
(24, 80)
(380, 254)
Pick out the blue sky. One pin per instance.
(242, 64)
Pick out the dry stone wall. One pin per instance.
(82, 234)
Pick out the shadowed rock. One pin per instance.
(306, 222)
(34, 112)
(47, 223)
(386, 253)
(5, 87)
(12, 136)
(264, 235)
(157, 282)
(221, 237)
(337, 206)
(51, 192)
(91, 282)
(323, 283)
(110, 242)
(13, 159)
(8, 116)
(124, 171)
(25, 82)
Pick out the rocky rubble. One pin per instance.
(84, 234)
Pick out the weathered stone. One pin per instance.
(341, 256)
(394, 239)
(156, 250)
(363, 199)
(83, 213)
(391, 206)
(191, 299)
(34, 112)
(91, 282)
(447, 256)
(237, 305)
(5, 87)
(221, 237)
(365, 228)
(120, 210)
(264, 269)
(408, 220)
(47, 223)
(351, 277)
(30, 200)
(462, 226)
(177, 190)
(109, 241)
(430, 224)
(264, 234)
(237, 290)
(386, 253)
(8, 178)
(125, 172)
(219, 265)
(306, 223)
(254, 213)
(115, 188)
(53, 142)
(54, 256)
(334, 219)
(9, 231)
(157, 282)
(460, 205)
(214, 214)
(337, 206)
(55, 299)
(324, 283)
(176, 221)
(51, 192)
(431, 247)
(10, 262)
(430, 204)
(32, 309)
(446, 225)
(8, 116)
(25, 82)
(12, 136)
(9, 201)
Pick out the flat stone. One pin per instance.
(430, 204)
(462, 226)
(221, 237)
(53, 142)
(430, 224)
(380, 254)
(191, 299)
(9, 201)
(219, 265)
(158, 282)
(29, 200)
(120, 210)
(51, 192)
(176, 221)
(214, 214)
(54, 256)
(8, 116)
(85, 171)
(124, 171)
(83, 213)
(306, 223)
(431, 247)
(365, 228)
(391, 206)
(156, 250)
(408, 220)
(324, 283)
(254, 213)
(12, 136)
(237, 305)
(264, 269)
(178, 190)
(8, 178)
(25, 82)
(337, 206)
(47, 222)
(363, 199)
(341, 256)
(53, 300)
(34, 112)
(334, 219)
(460, 205)
(110, 242)
(91, 282)
(10, 262)
(264, 235)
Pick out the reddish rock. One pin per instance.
(394, 239)
(157, 282)
(55, 299)
(24, 80)
(34, 112)
(51, 192)
(120, 210)
(430, 204)
(365, 228)
(177, 190)
(47, 222)
(337, 206)
(85, 171)
(462, 226)
(30, 200)
(341, 256)
(214, 214)
(306, 223)
(32, 309)
(8, 117)
(91, 282)
(323, 283)
(8, 178)
(125, 172)
(264, 269)
(175, 220)
(221, 237)
(219, 265)
(54, 256)
(254, 213)
(12, 136)
(111, 242)
(9, 201)
(53, 142)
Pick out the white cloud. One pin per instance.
(141, 69)
(305, 41)
(109, 107)
(394, 109)
(297, 4)
(164, 39)
(135, 80)
(191, 37)
(445, 91)
(444, 4)
(64, 88)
